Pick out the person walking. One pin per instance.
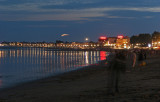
(134, 57)
(117, 67)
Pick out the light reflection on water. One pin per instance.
(18, 65)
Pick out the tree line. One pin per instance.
(145, 39)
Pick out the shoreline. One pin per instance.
(71, 66)
(50, 77)
(89, 84)
(74, 71)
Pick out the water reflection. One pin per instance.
(87, 60)
(24, 64)
(103, 55)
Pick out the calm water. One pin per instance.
(18, 65)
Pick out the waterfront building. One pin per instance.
(111, 42)
(102, 41)
(123, 42)
(19, 44)
(156, 40)
(13, 44)
(4, 44)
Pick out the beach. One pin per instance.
(89, 84)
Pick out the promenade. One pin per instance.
(89, 84)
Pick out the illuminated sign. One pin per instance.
(103, 38)
(120, 37)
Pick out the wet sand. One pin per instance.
(89, 84)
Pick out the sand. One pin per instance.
(89, 84)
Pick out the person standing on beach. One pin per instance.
(140, 57)
(134, 59)
(116, 67)
(131, 59)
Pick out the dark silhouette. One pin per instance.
(140, 57)
(117, 66)
(145, 55)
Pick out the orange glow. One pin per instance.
(64, 34)
(120, 37)
(102, 55)
(103, 38)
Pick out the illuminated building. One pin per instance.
(19, 44)
(111, 42)
(102, 41)
(156, 40)
(4, 44)
(12, 43)
(123, 41)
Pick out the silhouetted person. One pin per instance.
(116, 67)
(140, 57)
(134, 57)
(131, 59)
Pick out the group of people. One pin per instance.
(118, 61)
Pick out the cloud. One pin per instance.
(62, 17)
(144, 9)
(33, 11)
(46, 26)
(64, 35)
(148, 17)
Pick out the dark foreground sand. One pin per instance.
(90, 85)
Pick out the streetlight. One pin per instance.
(86, 39)
(86, 42)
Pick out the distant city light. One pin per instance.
(86, 39)
(120, 36)
(149, 45)
(103, 38)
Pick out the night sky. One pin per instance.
(47, 20)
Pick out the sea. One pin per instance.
(24, 64)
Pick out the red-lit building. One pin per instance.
(102, 40)
(111, 42)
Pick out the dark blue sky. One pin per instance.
(47, 20)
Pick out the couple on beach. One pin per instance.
(117, 62)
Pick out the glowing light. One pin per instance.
(120, 36)
(103, 38)
(102, 55)
(65, 35)
(86, 39)
(87, 57)
(149, 45)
